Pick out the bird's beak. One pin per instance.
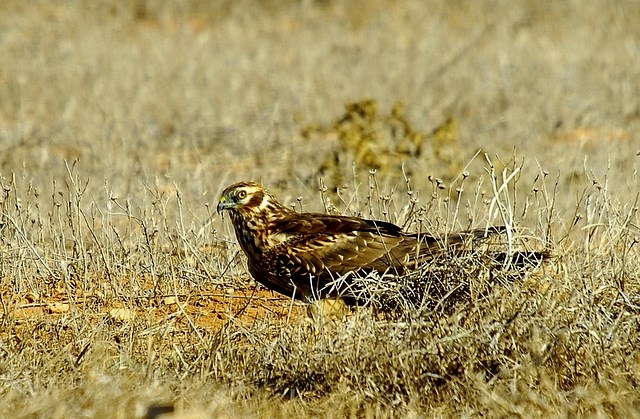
(224, 203)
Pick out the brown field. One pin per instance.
(121, 122)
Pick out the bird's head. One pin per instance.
(241, 196)
(247, 198)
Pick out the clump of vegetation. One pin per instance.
(370, 139)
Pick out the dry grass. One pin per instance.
(121, 122)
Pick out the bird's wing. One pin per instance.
(309, 224)
(318, 244)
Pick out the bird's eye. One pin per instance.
(242, 194)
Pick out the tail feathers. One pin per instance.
(514, 259)
(520, 259)
(455, 239)
(477, 234)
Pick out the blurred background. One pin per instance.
(191, 96)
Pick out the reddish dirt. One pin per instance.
(211, 311)
(244, 307)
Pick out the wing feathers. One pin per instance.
(311, 224)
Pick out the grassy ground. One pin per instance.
(121, 122)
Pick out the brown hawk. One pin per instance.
(302, 255)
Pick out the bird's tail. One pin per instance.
(458, 238)
(520, 259)
(464, 243)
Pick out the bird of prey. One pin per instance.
(301, 255)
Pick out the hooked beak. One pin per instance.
(224, 204)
